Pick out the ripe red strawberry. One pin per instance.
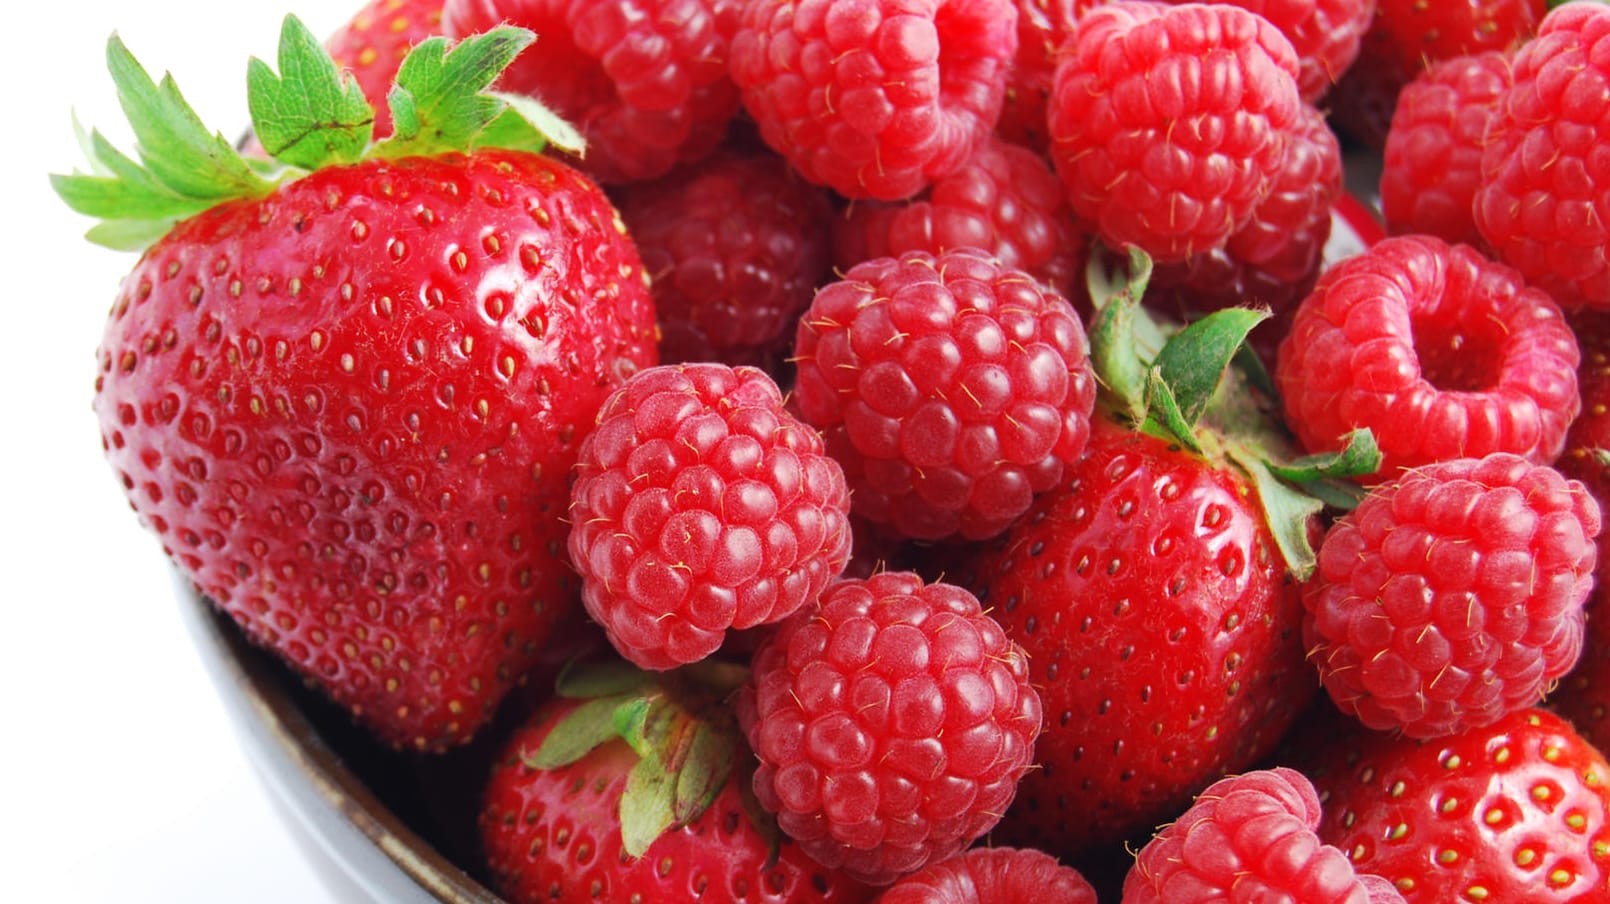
(1431, 168)
(346, 398)
(372, 44)
(892, 722)
(645, 81)
(875, 98)
(1453, 594)
(951, 387)
(1169, 123)
(1440, 351)
(624, 789)
(699, 505)
(1249, 837)
(1541, 205)
(992, 875)
(1518, 811)
(1150, 591)
(736, 245)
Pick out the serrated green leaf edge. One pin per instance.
(312, 113)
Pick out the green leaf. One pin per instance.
(439, 101)
(1165, 410)
(705, 770)
(1358, 457)
(524, 116)
(576, 734)
(586, 680)
(311, 114)
(1288, 509)
(1123, 340)
(127, 235)
(646, 805)
(1193, 362)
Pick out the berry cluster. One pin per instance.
(855, 397)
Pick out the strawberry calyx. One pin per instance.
(1200, 387)
(681, 725)
(309, 115)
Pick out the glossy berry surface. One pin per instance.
(992, 875)
(951, 388)
(700, 505)
(1440, 351)
(892, 723)
(1453, 594)
(875, 98)
(1169, 123)
(1324, 33)
(1249, 837)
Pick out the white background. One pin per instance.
(120, 778)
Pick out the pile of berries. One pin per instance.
(986, 457)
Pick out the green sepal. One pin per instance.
(1122, 345)
(440, 100)
(311, 114)
(1192, 365)
(586, 680)
(525, 123)
(580, 732)
(1164, 411)
(646, 805)
(1358, 457)
(1287, 511)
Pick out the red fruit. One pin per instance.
(551, 824)
(1518, 811)
(700, 505)
(1440, 351)
(952, 388)
(992, 875)
(644, 80)
(1169, 123)
(875, 98)
(1325, 33)
(1005, 201)
(1453, 594)
(1042, 26)
(347, 402)
(373, 43)
(1160, 629)
(1249, 837)
(1431, 167)
(892, 722)
(736, 245)
(1542, 204)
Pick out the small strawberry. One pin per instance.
(629, 788)
(1150, 589)
(374, 42)
(992, 875)
(346, 395)
(1517, 811)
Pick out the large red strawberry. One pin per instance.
(346, 395)
(1151, 589)
(626, 788)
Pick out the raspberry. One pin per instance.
(645, 81)
(700, 505)
(1042, 25)
(1542, 203)
(1431, 168)
(736, 245)
(1440, 351)
(875, 98)
(1453, 594)
(1325, 33)
(1169, 123)
(892, 722)
(951, 388)
(1005, 200)
(1250, 837)
(992, 875)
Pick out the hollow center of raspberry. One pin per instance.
(1454, 358)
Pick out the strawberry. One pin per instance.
(374, 42)
(624, 788)
(1517, 811)
(345, 394)
(1151, 589)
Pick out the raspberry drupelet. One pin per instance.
(951, 388)
(992, 875)
(700, 505)
(1440, 351)
(1325, 33)
(1453, 595)
(892, 722)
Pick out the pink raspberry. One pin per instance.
(1325, 33)
(1005, 200)
(645, 81)
(1452, 595)
(1544, 202)
(700, 505)
(1440, 351)
(992, 875)
(950, 387)
(1250, 837)
(892, 722)
(736, 246)
(1169, 123)
(875, 98)
(1431, 169)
